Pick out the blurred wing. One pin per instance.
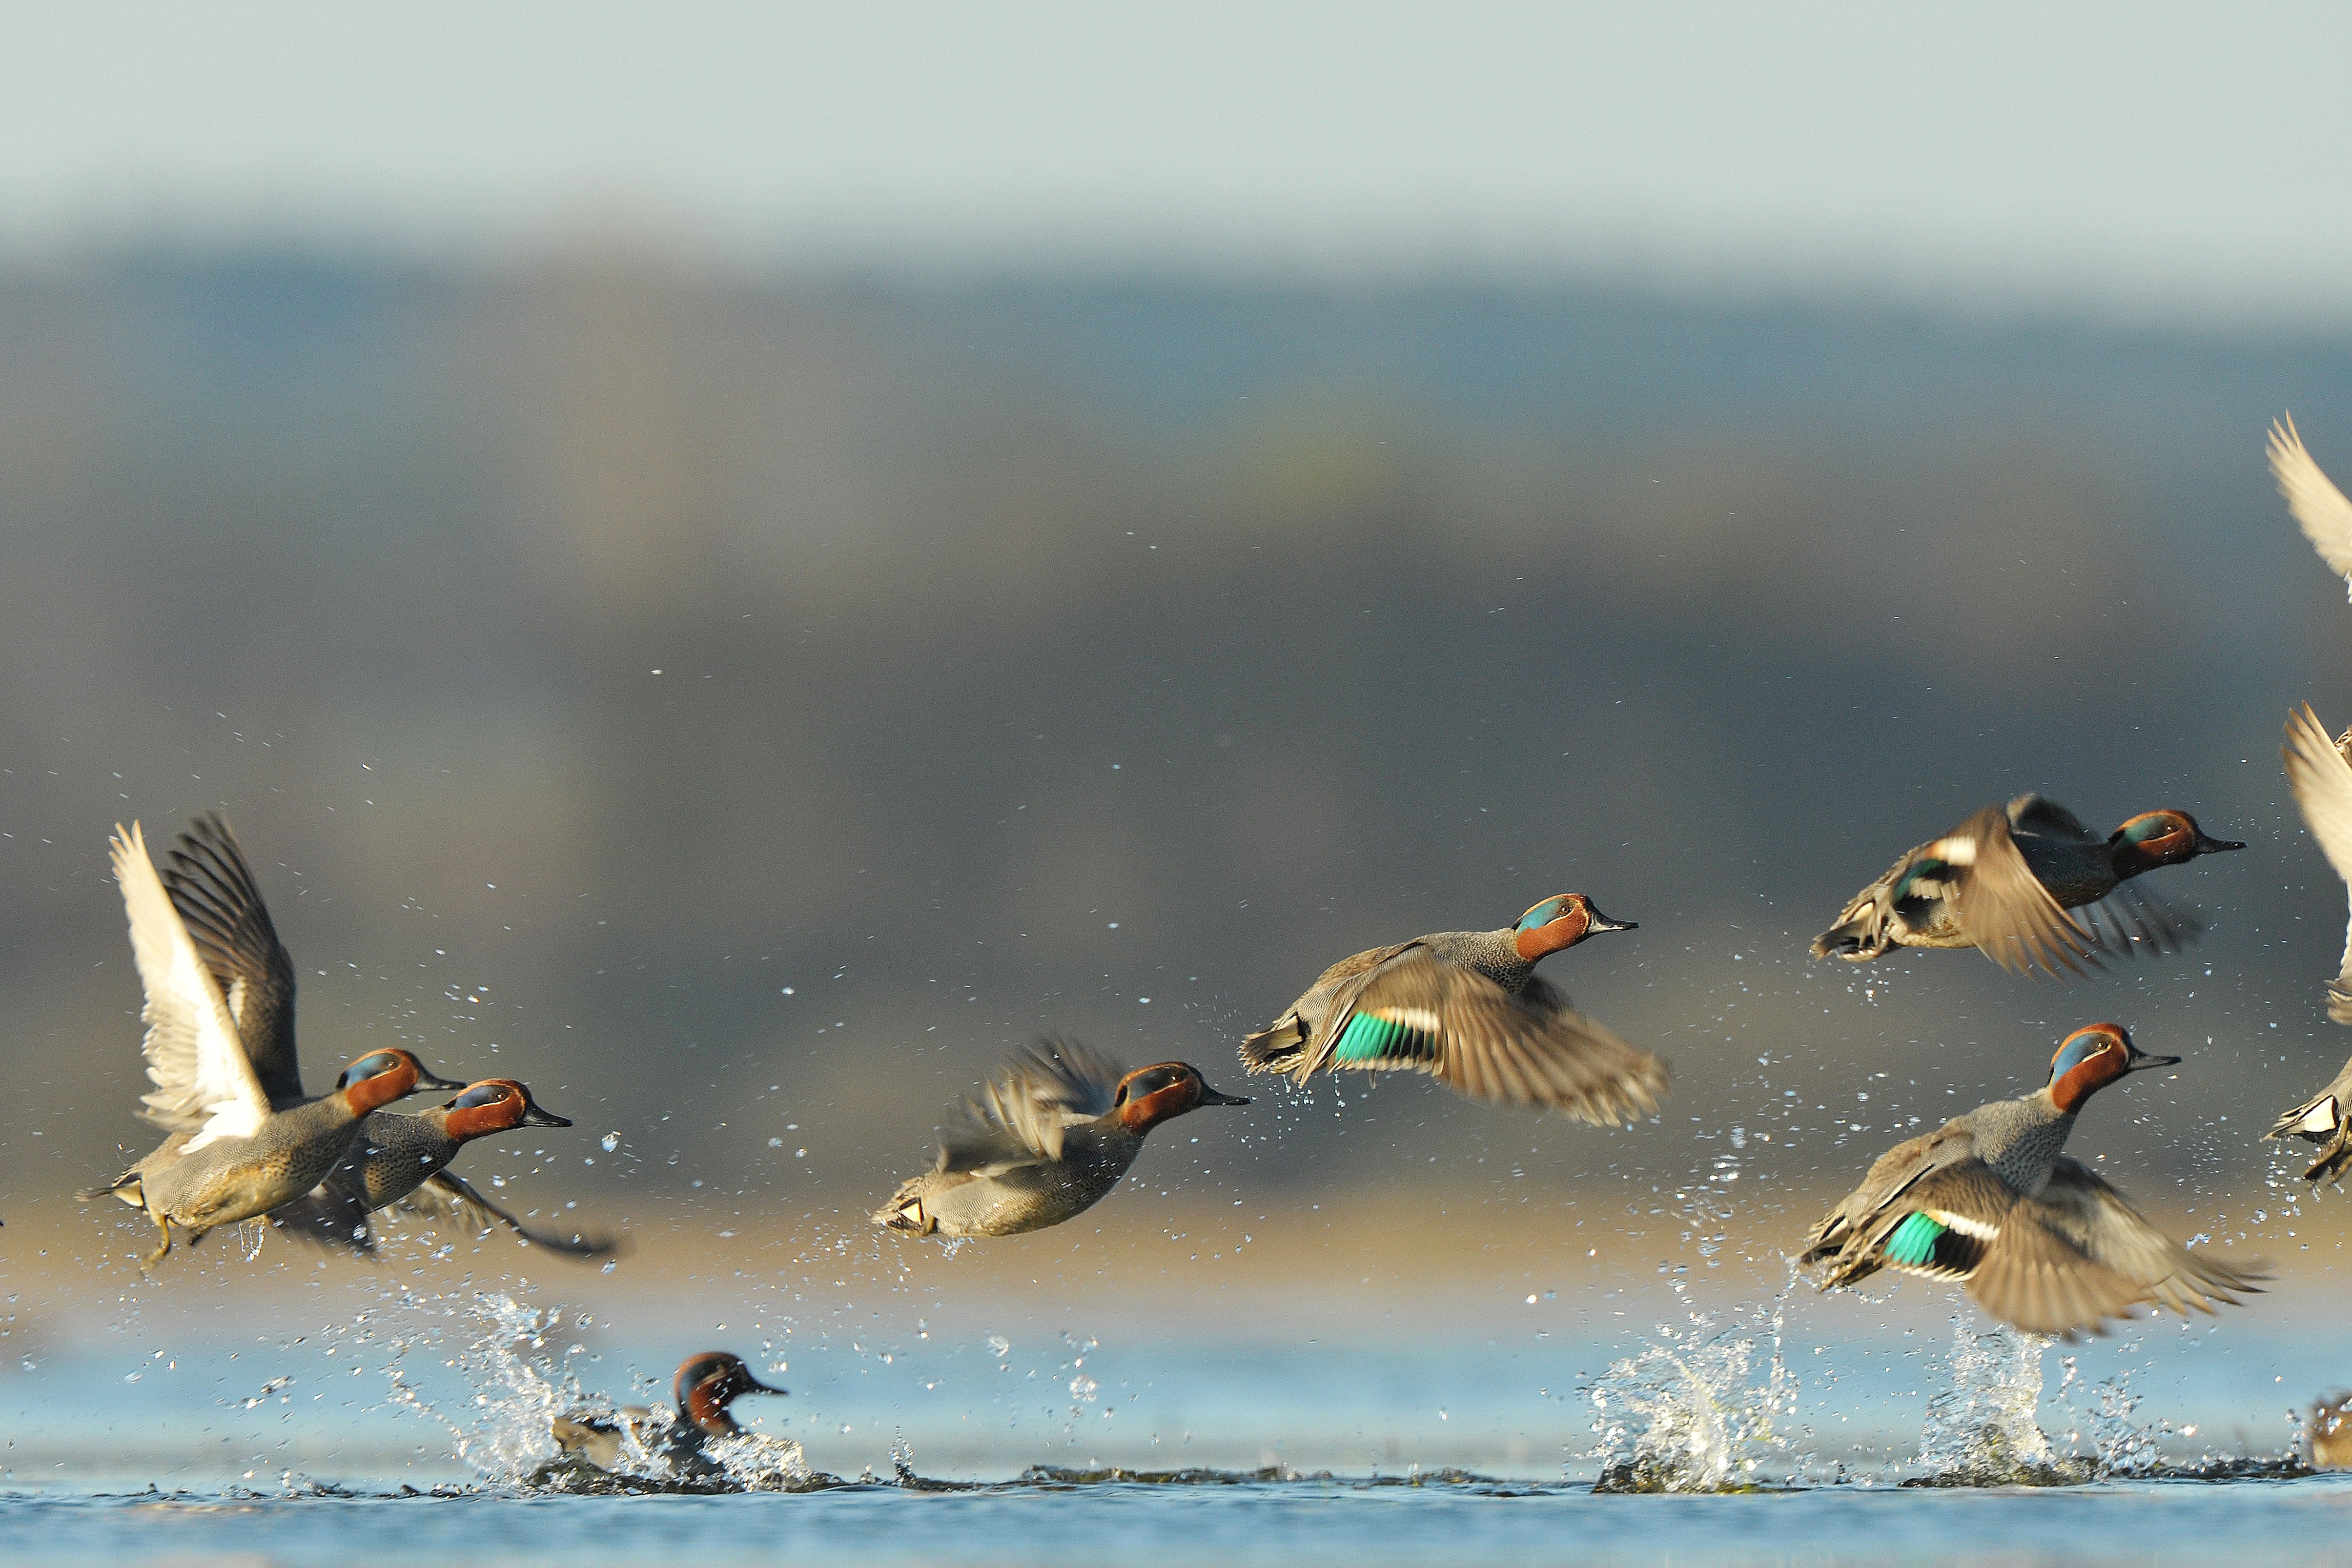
(2315, 502)
(2034, 1277)
(204, 1082)
(2133, 919)
(1420, 1013)
(2322, 788)
(1018, 1116)
(2037, 813)
(2079, 1205)
(213, 890)
(2003, 907)
(1966, 1208)
(332, 1214)
(1891, 1174)
(448, 1200)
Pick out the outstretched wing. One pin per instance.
(2079, 1205)
(2322, 782)
(1018, 1116)
(2316, 504)
(204, 1083)
(2002, 905)
(1418, 1012)
(213, 890)
(448, 1200)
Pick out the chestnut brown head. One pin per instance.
(2093, 1056)
(494, 1105)
(707, 1383)
(2163, 838)
(381, 1077)
(1562, 921)
(1151, 1095)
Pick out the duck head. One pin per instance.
(1562, 921)
(709, 1382)
(379, 1078)
(494, 1105)
(2162, 838)
(1151, 1095)
(2093, 1056)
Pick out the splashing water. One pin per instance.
(1706, 1420)
(1982, 1431)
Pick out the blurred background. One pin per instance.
(738, 565)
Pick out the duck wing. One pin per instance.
(2036, 814)
(448, 1199)
(2322, 782)
(2133, 919)
(2081, 1207)
(1019, 1115)
(2312, 498)
(219, 901)
(1419, 1013)
(2002, 905)
(334, 1214)
(204, 1083)
(1891, 1176)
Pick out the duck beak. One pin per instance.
(1602, 922)
(1210, 1097)
(533, 1116)
(2211, 846)
(2140, 1060)
(434, 1081)
(752, 1384)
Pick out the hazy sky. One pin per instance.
(2157, 159)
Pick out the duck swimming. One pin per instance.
(2041, 1240)
(1046, 1139)
(397, 1161)
(1468, 1009)
(2003, 882)
(706, 1386)
(231, 1155)
(2321, 777)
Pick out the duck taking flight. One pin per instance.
(231, 1155)
(2320, 772)
(1468, 1009)
(400, 1159)
(1045, 1140)
(706, 1386)
(2003, 881)
(2041, 1240)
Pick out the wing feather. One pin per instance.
(204, 1083)
(213, 890)
(1018, 1116)
(2003, 907)
(2312, 498)
(2322, 782)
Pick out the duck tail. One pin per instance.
(1856, 937)
(907, 1211)
(1276, 1049)
(128, 1186)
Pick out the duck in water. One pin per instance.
(707, 1383)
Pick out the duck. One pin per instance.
(213, 890)
(231, 1155)
(1468, 1009)
(707, 1383)
(2041, 1240)
(398, 1156)
(2312, 500)
(2319, 770)
(1043, 1141)
(2003, 881)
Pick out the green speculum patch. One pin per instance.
(1913, 1240)
(1371, 1038)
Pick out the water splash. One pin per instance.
(1689, 1412)
(1982, 1430)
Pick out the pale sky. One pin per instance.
(2157, 161)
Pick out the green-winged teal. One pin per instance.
(707, 1383)
(230, 1156)
(2041, 1241)
(2003, 882)
(1468, 1009)
(1044, 1140)
(219, 899)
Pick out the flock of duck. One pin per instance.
(1989, 1200)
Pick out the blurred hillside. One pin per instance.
(744, 713)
